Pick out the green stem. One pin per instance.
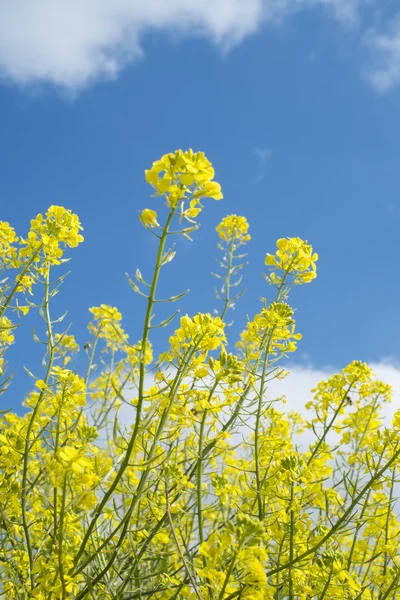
(199, 478)
(31, 422)
(61, 539)
(259, 406)
(291, 542)
(385, 559)
(178, 547)
(228, 574)
(200, 466)
(125, 462)
(228, 277)
(330, 425)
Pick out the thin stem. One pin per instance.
(385, 558)
(200, 466)
(24, 491)
(228, 574)
(199, 478)
(188, 570)
(228, 276)
(125, 462)
(61, 539)
(291, 541)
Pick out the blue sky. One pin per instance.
(298, 108)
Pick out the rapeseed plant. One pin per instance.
(207, 495)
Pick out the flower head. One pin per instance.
(148, 218)
(234, 227)
(183, 175)
(58, 227)
(293, 256)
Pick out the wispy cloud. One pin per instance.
(263, 155)
(71, 43)
(297, 386)
(383, 72)
(296, 390)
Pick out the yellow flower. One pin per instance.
(211, 189)
(234, 227)
(73, 459)
(25, 283)
(162, 538)
(107, 326)
(6, 335)
(65, 344)
(179, 175)
(294, 256)
(58, 227)
(8, 252)
(201, 333)
(148, 218)
(396, 420)
(88, 500)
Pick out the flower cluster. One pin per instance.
(8, 250)
(65, 345)
(273, 328)
(107, 325)
(234, 227)
(201, 333)
(6, 338)
(181, 177)
(49, 233)
(295, 257)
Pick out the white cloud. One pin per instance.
(384, 71)
(70, 43)
(297, 386)
(296, 389)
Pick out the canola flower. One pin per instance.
(207, 493)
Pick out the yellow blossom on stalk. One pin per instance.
(294, 256)
(148, 218)
(275, 327)
(65, 345)
(48, 233)
(134, 354)
(8, 239)
(6, 335)
(67, 389)
(233, 233)
(181, 176)
(200, 333)
(6, 338)
(88, 500)
(211, 189)
(191, 213)
(73, 459)
(107, 325)
(396, 420)
(234, 226)
(25, 283)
